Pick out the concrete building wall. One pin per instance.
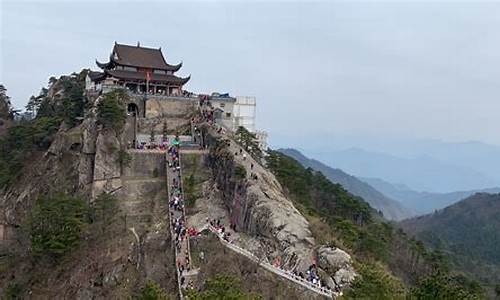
(224, 111)
(244, 112)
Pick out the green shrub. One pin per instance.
(111, 110)
(12, 291)
(189, 190)
(375, 283)
(249, 142)
(124, 159)
(445, 286)
(103, 210)
(55, 225)
(240, 172)
(152, 291)
(221, 287)
(5, 105)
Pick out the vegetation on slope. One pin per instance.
(339, 218)
(223, 287)
(152, 291)
(193, 176)
(6, 111)
(468, 231)
(20, 141)
(111, 110)
(248, 141)
(68, 246)
(63, 100)
(55, 225)
(391, 209)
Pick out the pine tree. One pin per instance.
(6, 111)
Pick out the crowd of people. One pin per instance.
(311, 275)
(219, 227)
(163, 145)
(177, 213)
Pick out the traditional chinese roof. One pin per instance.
(137, 56)
(141, 76)
(96, 76)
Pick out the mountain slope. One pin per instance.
(386, 257)
(390, 208)
(469, 231)
(423, 202)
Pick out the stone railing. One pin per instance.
(288, 275)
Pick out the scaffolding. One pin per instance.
(244, 113)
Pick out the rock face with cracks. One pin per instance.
(110, 262)
(260, 208)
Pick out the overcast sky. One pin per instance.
(378, 69)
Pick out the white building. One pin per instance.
(231, 113)
(244, 111)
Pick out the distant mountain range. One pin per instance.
(469, 231)
(391, 209)
(422, 202)
(421, 173)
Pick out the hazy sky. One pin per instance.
(376, 69)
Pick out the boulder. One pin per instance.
(337, 263)
(332, 259)
(345, 276)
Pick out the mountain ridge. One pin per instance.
(390, 208)
(422, 202)
(420, 172)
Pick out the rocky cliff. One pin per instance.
(258, 206)
(114, 259)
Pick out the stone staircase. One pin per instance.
(181, 255)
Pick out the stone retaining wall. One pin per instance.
(144, 163)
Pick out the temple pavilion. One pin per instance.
(139, 69)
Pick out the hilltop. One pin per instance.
(89, 208)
